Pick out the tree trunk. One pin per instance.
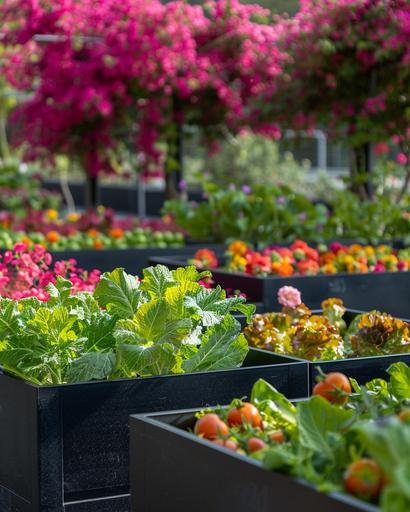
(174, 164)
(91, 198)
(360, 172)
(4, 145)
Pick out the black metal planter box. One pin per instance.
(133, 260)
(385, 291)
(171, 469)
(66, 448)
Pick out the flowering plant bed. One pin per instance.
(27, 273)
(301, 259)
(385, 290)
(323, 453)
(94, 229)
(162, 343)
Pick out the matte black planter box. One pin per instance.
(171, 469)
(385, 291)
(133, 260)
(66, 447)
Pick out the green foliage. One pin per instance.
(366, 220)
(266, 214)
(168, 323)
(389, 445)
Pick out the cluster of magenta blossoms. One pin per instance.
(347, 68)
(26, 273)
(135, 66)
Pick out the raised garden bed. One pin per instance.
(132, 260)
(385, 291)
(172, 466)
(66, 447)
(362, 369)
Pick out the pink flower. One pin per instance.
(401, 158)
(381, 148)
(289, 296)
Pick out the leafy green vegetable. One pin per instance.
(223, 346)
(389, 445)
(119, 293)
(274, 405)
(400, 380)
(317, 418)
(167, 323)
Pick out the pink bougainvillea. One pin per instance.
(26, 273)
(135, 66)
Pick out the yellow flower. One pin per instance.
(73, 217)
(52, 214)
(348, 260)
(389, 258)
(369, 250)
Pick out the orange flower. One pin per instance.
(116, 233)
(27, 241)
(238, 247)
(167, 219)
(98, 244)
(93, 233)
(327, 257)
(355, 248)
(53, 236)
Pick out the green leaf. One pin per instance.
(279, 458)
(91, 366)
(274, 405)
(60, 292)
(222, 347)
(211, 305)
(134, 359)
(400, 380)
(156, 281)
(119, 293)
(99, 332)
(317, 417)
(9, 318)
(151, 320)
(146, 360)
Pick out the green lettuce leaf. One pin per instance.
(119, 293)
(400, 380)
(222, 346)
(91, 366)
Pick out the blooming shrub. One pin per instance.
(301, 259)
(26, 273)
(346, 68)
(113, 66)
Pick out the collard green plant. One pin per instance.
(167, 323)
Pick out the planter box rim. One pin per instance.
(291, 360)
(151, 419)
